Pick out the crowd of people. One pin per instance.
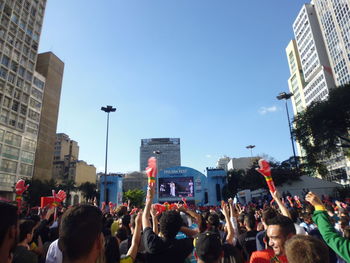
(312, 230)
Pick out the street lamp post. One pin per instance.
(108, 110)
(286, 96)
(251, 149)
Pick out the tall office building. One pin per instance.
(311, 70)
(51, 67)
(169, 152)
(21, 89)
(313, 56)
(334, 18)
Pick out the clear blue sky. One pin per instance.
(206, 71)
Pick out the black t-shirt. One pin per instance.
(23, 255)
(248, 242)
(162, 250)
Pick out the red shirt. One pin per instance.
(267, 256)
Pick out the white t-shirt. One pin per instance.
(54, 254)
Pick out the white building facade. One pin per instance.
(334, 19)
(21, 89)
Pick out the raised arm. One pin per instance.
(335, 241)
(146, 212)
(132, 252)
(282, 207)
(154, 215)
(230, 231)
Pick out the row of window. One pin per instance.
(11, 167)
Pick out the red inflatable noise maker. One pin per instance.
(21, 187)
(265, 170)
(151, 171)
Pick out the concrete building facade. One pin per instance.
(135, 180)
(51, 67)
(334, 19)
(169, 152)
(319, 48)
(66, 163)
(313, 56)
(21, 89)
(296, 82)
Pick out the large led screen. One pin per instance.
(175, 187)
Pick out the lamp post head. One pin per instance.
(284, 96)
(250, 146)
(108, 109)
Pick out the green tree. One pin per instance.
(238, 180)
(38, 189)
(136, 197)
(88, 190)
(323, 127)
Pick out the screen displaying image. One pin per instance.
(175, 187)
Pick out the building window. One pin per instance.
(5, 60)
(35, 104)
(29, 145)
(27, 157)
(38, 83)
(33, 115)
(13, 139)
(8, 166)
(10, 152)
(26, 169)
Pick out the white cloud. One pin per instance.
(207, 156)
(265, 110)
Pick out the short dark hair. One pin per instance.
(79, 229)
(306, 249)
(268, 213)
(25, 228)
(122, 233)
(249, 220)
(8, 218)
(208, 246)
(121, 210)
(284, 222)
(214, 220)
(170, 224)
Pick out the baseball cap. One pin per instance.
(208, 246)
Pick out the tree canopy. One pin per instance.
(322, 129)
(89, 190)
(238, 180)
(136, 197)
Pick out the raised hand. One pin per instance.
(313, 199)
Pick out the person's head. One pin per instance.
(170, 224)
(8, 228)
(26, 230)
(343, 222)
(279, 230)
(267, 214)
(112, 253)
(208, 247)
(213, 221)
(306, 249)
(122, 233)
(307, 217)
(249, 222)
(121, 210)
(346, 232)
(81, 233)
(294, 214)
